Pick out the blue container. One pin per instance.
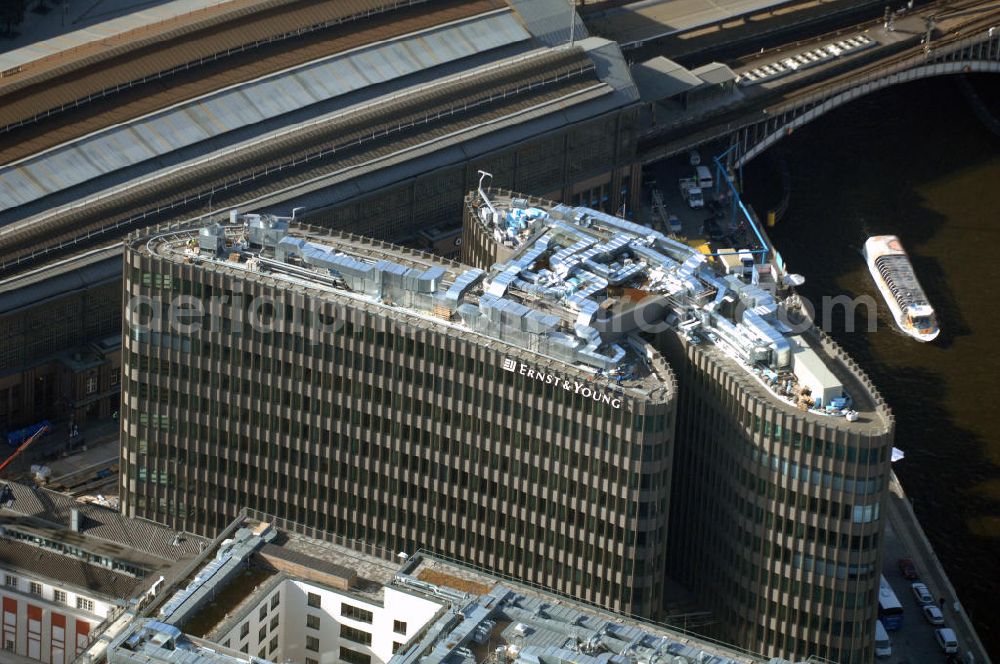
(15, 438)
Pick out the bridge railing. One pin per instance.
(756, 134)
(937, 53)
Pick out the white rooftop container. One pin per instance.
(813, 373)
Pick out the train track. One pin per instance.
(38, 116)
(957, 28)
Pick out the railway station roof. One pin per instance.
(192, 123)
(558, 86)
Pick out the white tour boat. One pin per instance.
(894, 276)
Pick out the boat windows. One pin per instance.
(897, 273)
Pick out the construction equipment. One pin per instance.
(45, 428)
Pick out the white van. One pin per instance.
(946, 639)
(704, 177)
(883, 646)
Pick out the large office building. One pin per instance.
(386, 395)
(782, 443)
(415, 384)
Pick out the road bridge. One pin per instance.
(964, 38)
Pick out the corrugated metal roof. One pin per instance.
(549, 20)
(662, 78)
(714, 73)
(161, 133)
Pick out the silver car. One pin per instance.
(922, 594)
(933, 614)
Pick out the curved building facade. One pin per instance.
(777, 510)
(782, 444)
(380, 396)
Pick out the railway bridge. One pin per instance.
(960, 40)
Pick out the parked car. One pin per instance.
(921, 593)
(946, 639)
(933, 614)
(908, 569)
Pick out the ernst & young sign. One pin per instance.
(585, 390)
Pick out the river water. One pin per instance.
(914, 161)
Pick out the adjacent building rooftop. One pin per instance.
(493, 620)
(87, 546)
(481, 618)
(148, 641)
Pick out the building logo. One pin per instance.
(575, 386)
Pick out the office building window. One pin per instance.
(10, 581)
(356, 635)
(85, 604)
(116, 375)
(35, 588)
(59, 596)
(91, 384)
(312, 622)
(356, 613)
(310, 660)
(312, 643)
(396, 645)
(275, 600)
(399, 627)
(244, 630)
(313, 600)
(354, 657)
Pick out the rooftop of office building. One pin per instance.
(733, 302)
(572, 331)
(468, 614)
(151, 641)
(509, 623)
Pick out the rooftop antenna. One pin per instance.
(482, 194)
